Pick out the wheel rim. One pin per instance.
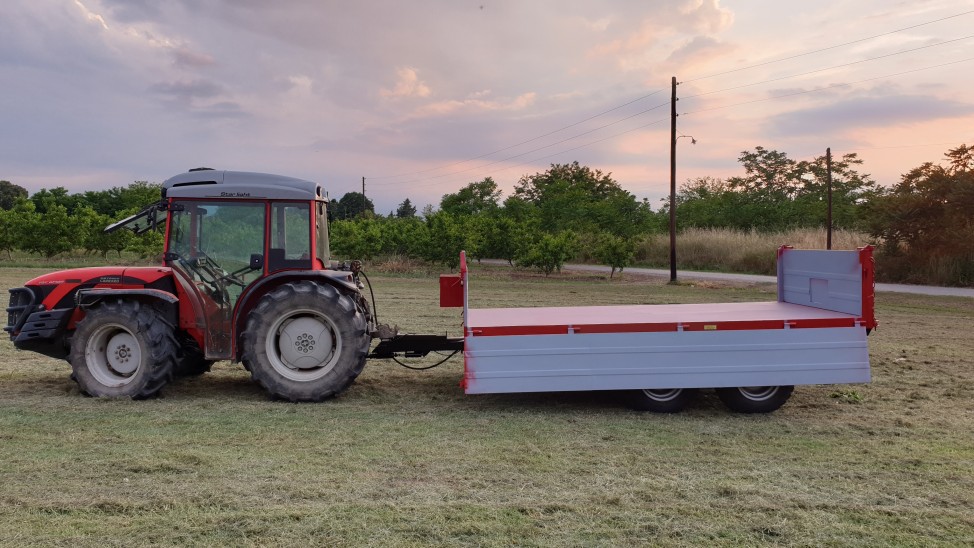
(668, 394)
(304, 345)
(758, 393)
(113, 355)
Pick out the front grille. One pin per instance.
(21, 302)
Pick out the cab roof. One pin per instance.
(209, 183)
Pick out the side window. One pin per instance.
(290, 236)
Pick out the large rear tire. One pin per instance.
(123, 349)
(755, 399)
(305, 342)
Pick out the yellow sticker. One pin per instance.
(710, 328)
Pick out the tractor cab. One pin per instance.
(228, 230)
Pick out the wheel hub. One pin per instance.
(122, 354)
(305, 343)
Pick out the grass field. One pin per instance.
(405, 459)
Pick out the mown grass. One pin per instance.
(405, 459)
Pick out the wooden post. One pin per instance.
(828, 218)
(673, 183)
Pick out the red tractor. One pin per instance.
(247, 277)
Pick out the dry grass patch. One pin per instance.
(738, 251)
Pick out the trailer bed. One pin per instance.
(651, 318)
(814, 333)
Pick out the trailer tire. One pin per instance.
(123, 349)
(305, 342)
(667, 400)
(755, 399)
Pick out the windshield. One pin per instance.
(223, 235)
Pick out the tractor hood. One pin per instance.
(108, 275)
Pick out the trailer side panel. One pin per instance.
(683, 359)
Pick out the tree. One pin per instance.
(472, 199)
(353, 205)
(110, 202)
(407, 236)
(615, 252)
(20, 226)
(447, 237)
(925, 222)
(549, 252)
(356, 239)
(575, 197)
(10, 193)
(406, 209)
(44, 199)
(776, 193)
(9, 231)
(56, 232)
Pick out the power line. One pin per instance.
(796, 56)
(523, 142)
(590, 143)
(830, 68)
(823, 88)
(530, 151)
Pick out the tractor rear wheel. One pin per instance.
(305, 342)
(123, 349)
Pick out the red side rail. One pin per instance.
(868, 287)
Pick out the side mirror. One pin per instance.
(256, 261)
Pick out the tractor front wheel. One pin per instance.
(123, 350)
(305, 342)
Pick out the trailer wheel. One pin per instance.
(755, 399)
(305, 342)
(123, 350)
(666, 400)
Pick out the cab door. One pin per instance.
(211, 246)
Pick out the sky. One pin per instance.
(422, 98)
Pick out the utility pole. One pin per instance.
(828, 218)
(363, 194)
(673, 183)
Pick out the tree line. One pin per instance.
(923, 224)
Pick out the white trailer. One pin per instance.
(752, 353)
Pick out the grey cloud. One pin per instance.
(184, 57)
(868, 112)
(188, 90)
(222, 109)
